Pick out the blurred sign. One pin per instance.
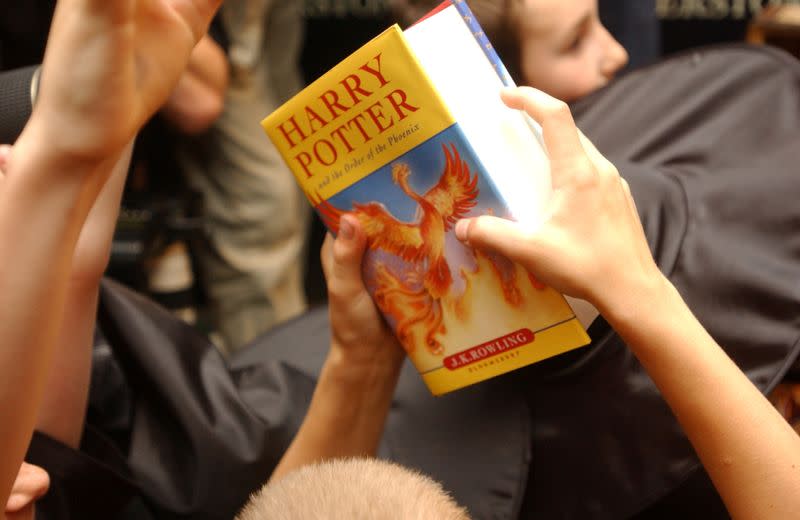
(345, 8)
(714, 9)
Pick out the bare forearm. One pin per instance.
(750, 452)
(346, 416)
(43, 203)
(63, 407)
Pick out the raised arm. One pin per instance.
(105, 72)
(592, 246)
(354, 392)
(63, 409)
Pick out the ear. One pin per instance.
(31, 484)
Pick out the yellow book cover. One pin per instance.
(373, 137)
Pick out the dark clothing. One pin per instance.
(91, 483)
(15, 101)
(710, 151)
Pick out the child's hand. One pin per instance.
(355, 387)
(591, 245)
(358, 333)
(30, 485)
(109, 66)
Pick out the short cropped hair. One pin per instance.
(355, 489)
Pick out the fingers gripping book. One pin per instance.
(409, 134)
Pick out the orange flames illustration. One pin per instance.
(411, 279)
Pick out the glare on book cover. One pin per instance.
(438, 295)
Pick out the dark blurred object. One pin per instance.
(23, 31)
(635, 24)
(334, 29)
(15, 101)
(687, 24)
(779, 26)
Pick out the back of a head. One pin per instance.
(355, 489)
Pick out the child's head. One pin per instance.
(558, 46)
(357, 489)
(561, 47)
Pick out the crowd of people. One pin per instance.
(106, 73)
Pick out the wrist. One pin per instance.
(43, 143)
(624, 308)
(374, 369)
(350, 404)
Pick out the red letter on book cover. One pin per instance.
(292, 129)
(375, 72)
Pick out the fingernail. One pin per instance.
(346, 230)
(462, 229)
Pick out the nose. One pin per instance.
(616, 57)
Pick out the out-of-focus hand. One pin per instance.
(591, 244)
(30, 485)
(109, 65)
(199, 96)
(360, 336)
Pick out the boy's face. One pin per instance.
(565, 50)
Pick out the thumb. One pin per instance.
(343, 269)
(497, 235)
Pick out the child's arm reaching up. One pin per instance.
(592, 246)
(63, 410)
(352, 398)
(105, 72)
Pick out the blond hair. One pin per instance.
(354, 489)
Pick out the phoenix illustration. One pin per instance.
(414, 297)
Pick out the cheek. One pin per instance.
(564, 78)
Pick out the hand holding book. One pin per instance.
(591, 245)
(354, 392)
(392, 136)
(359, 336)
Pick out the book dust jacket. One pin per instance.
(373, 138)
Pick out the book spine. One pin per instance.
(488, 49)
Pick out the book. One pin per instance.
(409, 134)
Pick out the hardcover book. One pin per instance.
(409, 134)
